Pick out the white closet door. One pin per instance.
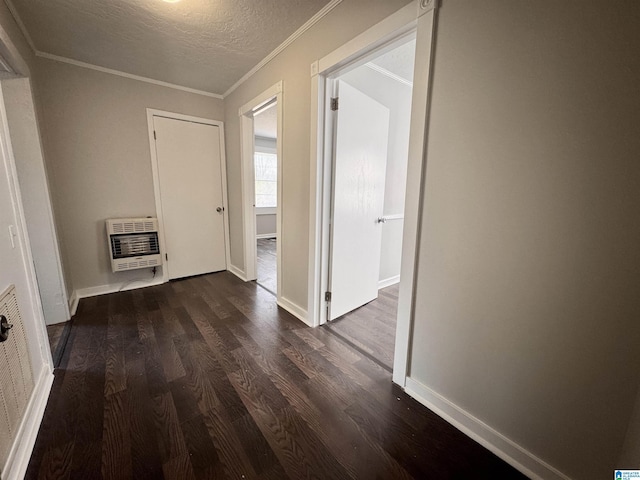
(190, 174)
(360, 165)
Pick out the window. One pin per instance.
(266, 165)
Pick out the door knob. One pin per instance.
(382, 220)
(220, 209)
(5, 326)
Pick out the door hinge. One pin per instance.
(334, 104)
(166, 257)
(154, 135)
(327, 296)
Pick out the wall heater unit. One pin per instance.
(133, 243)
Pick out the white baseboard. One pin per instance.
(237, 272)
(20, 454)
(295, 310)
(266, 235)
(509, 451)
(73, 303)
(387, 282)
(116, 287)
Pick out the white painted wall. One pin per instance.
(265, 224)
(397, 98)
(25, 140)
(344, 22)
(527, 300)
(97, 150)
(265, 217)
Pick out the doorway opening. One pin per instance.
(261, 170)
(265, 163)
(369, 116)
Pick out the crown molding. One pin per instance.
(306, 26)
(294, 36)
(389, 74)
(119, 73)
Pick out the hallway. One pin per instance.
(206, 377)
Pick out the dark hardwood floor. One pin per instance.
(372, 327)
(267, 270)
(58, 335)
(207, 378)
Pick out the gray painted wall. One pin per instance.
(344, 22)
(97, 150)
(527, 302)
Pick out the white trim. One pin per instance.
(237, 272)
(20, 454)
(152, 112)
(357, 51)
(387, 73)
(394, 26)
(294, 309)
(261, 100)
(266, 210)
(131, 76)
(266, 235)
(247, 175)
(414, 195)
(73, 303)
(116, 287)
(387, 282)
(316, 175)
(505, 448)
(294, 36)
(247, 184)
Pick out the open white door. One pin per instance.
(190, 177)
(360, 162)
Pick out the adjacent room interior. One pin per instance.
(265, 158)
(384, 78)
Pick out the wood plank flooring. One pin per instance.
(372, 328)
(267, 270)
(58, 335)
(207, 378)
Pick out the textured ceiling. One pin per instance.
(203, 44)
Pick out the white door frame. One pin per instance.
(247, 173)
(418, 16)
(151, 112)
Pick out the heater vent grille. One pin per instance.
(133, 243)
(16, 377)
(133, 226)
